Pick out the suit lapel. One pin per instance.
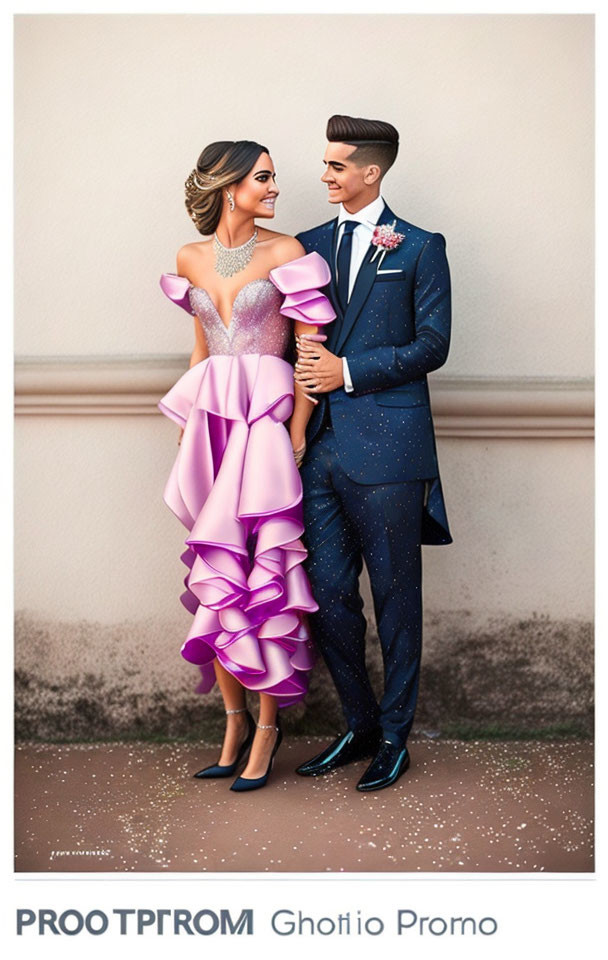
(332, 261)
(327, 249)
(362, 287)
(330, 240)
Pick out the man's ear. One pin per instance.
(372, 174)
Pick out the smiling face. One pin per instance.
(256, 193)
(349, 183)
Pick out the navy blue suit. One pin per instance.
(371, 478)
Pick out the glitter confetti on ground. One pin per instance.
(462, 806)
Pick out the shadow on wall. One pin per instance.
(500, 678)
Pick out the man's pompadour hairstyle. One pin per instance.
(376, 141)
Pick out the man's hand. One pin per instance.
(317, 370)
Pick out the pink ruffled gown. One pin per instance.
(235, 485)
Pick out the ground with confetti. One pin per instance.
(521, 806)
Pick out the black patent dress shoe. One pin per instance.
(349, 747)
(217, 770)
(386, 767)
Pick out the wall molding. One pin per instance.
(527, 407)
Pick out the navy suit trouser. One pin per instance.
(346, 523)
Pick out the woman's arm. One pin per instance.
(303, 405)
(201, 350)
(300, 278)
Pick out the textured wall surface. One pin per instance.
(98, 579)
(85, 680)
(496, 121)
(95, 541)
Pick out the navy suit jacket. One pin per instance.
(395, 330)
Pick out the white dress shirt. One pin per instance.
(367, 219)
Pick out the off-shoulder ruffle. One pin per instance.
(236, 488)
(300, 280)
(177, 289)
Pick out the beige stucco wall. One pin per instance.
(496, 121)
(495, 115)
(95, 541)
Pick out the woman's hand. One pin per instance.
(317, 370)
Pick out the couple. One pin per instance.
(365, 300)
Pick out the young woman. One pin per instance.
(235, 484)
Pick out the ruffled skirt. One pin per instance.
(236, 488)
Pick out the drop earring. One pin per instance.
(230, 199)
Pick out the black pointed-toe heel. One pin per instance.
(229, 769)
(241, 784)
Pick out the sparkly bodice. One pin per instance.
(256, 326)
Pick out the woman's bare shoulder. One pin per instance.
(191, 255)
(282, 248)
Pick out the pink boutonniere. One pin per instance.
(386, 238)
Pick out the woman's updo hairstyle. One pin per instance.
(219, 165)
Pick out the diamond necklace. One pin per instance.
(230, 260)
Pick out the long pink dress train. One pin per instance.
(235, 486)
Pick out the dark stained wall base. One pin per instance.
(493, 677)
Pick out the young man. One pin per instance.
(370, 475)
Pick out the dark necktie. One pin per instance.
(344, 251)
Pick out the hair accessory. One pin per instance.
(231, 260)
(200, 181)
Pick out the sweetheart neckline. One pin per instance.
(227, 327)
